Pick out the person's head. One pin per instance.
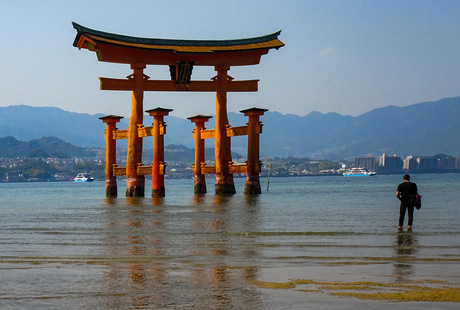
(406, 177)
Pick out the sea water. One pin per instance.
(64, 245)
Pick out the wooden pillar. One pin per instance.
(158, 162)
(224, 180)
(135, 184)
(110, 154)
(200, 181)
(252, 186)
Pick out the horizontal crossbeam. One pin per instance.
(148, 131)
(205, 134)
(233, 168)
(164, 85)
(147, 170)
(119, 171)
(142, 132)
(144, 170)
(238, 168)
(120, 134)
(141, 170)
(231, 132)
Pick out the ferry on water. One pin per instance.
(83, 177)
(358, 172)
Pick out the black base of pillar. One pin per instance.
(252, 188)
(111, 187)
(158, 193)
(133, 191)
(111, 191)
(225, 185)
(135, 187)
(225, 189)
(200, 184)
(200, 189)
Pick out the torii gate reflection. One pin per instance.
(181, 56)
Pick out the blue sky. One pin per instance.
(347, 57)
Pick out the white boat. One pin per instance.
(358, 172)
(83, 177)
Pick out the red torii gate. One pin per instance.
(180, 56)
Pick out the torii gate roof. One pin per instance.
(116, 48)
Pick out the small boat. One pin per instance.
(358, 172)
(83, 177)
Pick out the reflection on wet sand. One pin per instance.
(159, 262)
(405, 248)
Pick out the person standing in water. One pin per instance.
(406, 190)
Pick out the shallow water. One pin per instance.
(64, 245)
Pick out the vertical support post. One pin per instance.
(224, 179)
(158, 164)
(135, 184)
(252, 186)
(110, 154)
(199, 179)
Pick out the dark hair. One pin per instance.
(406, 177)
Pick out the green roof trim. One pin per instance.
(171, 42)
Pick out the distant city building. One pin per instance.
(447, 163)
(410, 164)
(365, 162)
(427, 163)
(390, 164)
(457, 162)
(420, 164)
(14, 176)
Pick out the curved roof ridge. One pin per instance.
(176, 42)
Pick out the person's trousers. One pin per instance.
(402, 213)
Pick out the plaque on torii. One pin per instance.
(181, 56)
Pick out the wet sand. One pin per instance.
(376, 283)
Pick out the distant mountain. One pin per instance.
(26, 123)
(41, 148)
(425, 128)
